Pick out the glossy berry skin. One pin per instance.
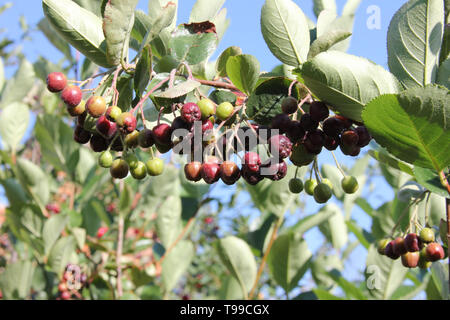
(330, 143)
(389, 251)
(252, 161)
(155, 167)
(333, 127)
(163, 148)
(427, 235)
(295, 185)
(300, 156)
(98, 143)
(224, 111)
(79, 110)
(399, 246)
(308, 123)
(295, 131)
(310, 185)
(139, 172)
(280, 146)
(72, 96)
(101, 231)
(281, 122)
(289, 105)
(207, 108)
(179, 123)
(192, 171)
(119, 169)
(347, 123)
(207, 125)
(314, 141)
(381, 246)
(96, 106)
(411, 259)
(56, 82)
(127, 122)
(322, 193)
(349, 184)
(113, 112)
(350, 138)
(105, 160)
(132, 139)
(364, 136)
(277, 169)
(106, 128)
(81, 136)
(162, 134)
(412, 242)
(229, 172)
(251, 177)
(318, 111)
(145, 138)
(434, 252)
(190, 112)
(350, 150)
(210, 172)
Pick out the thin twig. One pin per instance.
(119, 249)
(218, 84)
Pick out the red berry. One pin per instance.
(190, 113)
(163, 134)
(276, 169)
(318, 111)
(208, 220)
(207, 125)
(399, 246)
(96, 106)
(101, 231)
(72, 96)
(210, 172)
(410, 259)
(281, 146)
(229, 172)
(389, 251)
(413, 242)
(434, 252)
(252, 161)
(192, 171)
(251, 177)
(53, 207)
(65, 295)
(127, 122)
(106, 128)
(56, 82)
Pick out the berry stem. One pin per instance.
(337, 164)
(291, 86)
(141, 102)
(218, 84)
(114, 85)
(120, 248)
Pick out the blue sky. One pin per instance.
(244, 31)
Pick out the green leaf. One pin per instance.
(118, 21)
(311, 221)
(34, 179)
(338, 78)
(142, 24)
(430, 180)
(349, 288)
(243, 71)
(443, 77)
(2, 74)
(414, 42)
(260, 238)
(176, 263)
(326, 41)
(445, 48)
(205, 10)
(179, 90)
(18, 87)
(274, 196)
(325, 295)
(230, 289)
(221, 64)
(54, 38)
(321, 5)
(285, 30)
(125, 200)
(61, 254)
(384, 157)
(383, 275)
(79, 27)
(95, 6)
(190, 47)
(265, 102)
(363, 236)
(239, 261)
(52, 230)
(156, 6)
(288, 260)
(168, 220)
(439, 281)
(14, 121)
(80, 236)
(142, 74)
(413, 126)
(350, 7)
(335, 227)
(16, 280)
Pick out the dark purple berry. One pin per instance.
(190, 113)
(281, 146)
(314, 141)
(331, 143)
(98, 143)
(363, 135)
(289, 105)
(318, 111)
(276, 169)
(308, 123)
(281, 122)
(295, 131)
(251, 177)
(333, 127)
(81, 135)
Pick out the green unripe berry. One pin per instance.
(322, 193)
(300, 156)
(105, 160)
(113, 112)
(132, 160)
(140, 171)
(427, 235)
(207, 108)
(224, 110)
(295, 185)
(328, 183)
(423, 262)
(382, 245)
(349, 184)
(155, 166)
(310, 185)
(132, 139)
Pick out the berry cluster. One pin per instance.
(108, 129)
(71, 283)
(415, 250)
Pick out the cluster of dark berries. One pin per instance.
(73, 280)
(108, 129)
(415, 250)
